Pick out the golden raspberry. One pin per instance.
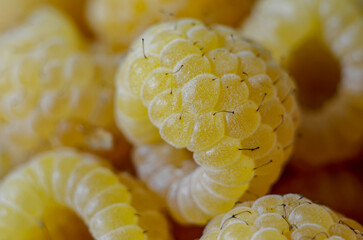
(52, 92)
(119, 22)
(320, 43)
(217, 95)
(338, 187)
(281, 217)
(77, 188)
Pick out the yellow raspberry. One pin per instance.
(84, 195)
(208, 91)
(66, 178)
(52, 92)
(15, 11)
(119, 22)
(320, 43)
(286, 217)
(338, 187)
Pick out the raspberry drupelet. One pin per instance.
(65, 194)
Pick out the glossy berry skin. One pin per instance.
(332, 131)
(287, 217)
(83, 185)
(53, 93)
(221, 97)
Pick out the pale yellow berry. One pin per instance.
(204, 89)
(54, 93)
(46, 182)
(319, 43)
(288, 217)
(65, 194)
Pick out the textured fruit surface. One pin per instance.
(274, 217)
(52, 91)
(66, 178)
(118, 22)
(338, 186)
(320, 44)
(14, 11)
(149, 207)
(217, 95)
